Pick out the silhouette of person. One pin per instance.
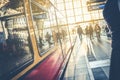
(90, 31)
(111, 14)
(48, 38)
(97, 31)
(107, 31)
(80, 32)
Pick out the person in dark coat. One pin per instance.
(111, 14)
(108, 32)
(91, 31)
(97, 31)
(48, 38)
(80, 32)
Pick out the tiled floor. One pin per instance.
(80, 68)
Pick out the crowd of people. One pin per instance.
(93, 31)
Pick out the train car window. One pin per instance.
(42, 27)
(60, 30)
(15, 45)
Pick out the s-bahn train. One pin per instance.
(34, 42)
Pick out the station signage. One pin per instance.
(40, 16)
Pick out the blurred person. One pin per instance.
(41, 42)
(86, 30)
(80, 32)
(11, 41)
(63, 34)
(111, 14)
(48, 38)
(97, 31)
(58, 36)
(108, 32)
(91, 31)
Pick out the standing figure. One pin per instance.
(63, 34)
(97, 31)
(108, 32)
(41, 42)
(48, 38)
(91, 31)
(80, 32)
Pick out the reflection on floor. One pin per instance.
(90, 60)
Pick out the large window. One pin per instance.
(69, 5)
(15, 44)
(60, 6)
(42, 27)
(79, 10)
(70, 13)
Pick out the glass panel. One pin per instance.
(70, 13)
(68, 0)
(63, 21)
(78, 11)
(15, 45)
(84, 3)
(60, 6)
(59, 1)
(71, 20)
(63, 13)
(69, 5)
(43, 33)
(85, 10)
(44, 40)
(77, 4)
(53, 23)
(87, 17)
(79, 18)
(95, 15)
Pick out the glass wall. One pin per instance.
(42, 28)
(77, 11)
(15, 45)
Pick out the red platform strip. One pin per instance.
(48, 69)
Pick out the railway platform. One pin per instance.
(89, 60)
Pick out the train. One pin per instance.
(35, 40)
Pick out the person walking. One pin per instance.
(91, 31)
(80, 32)
(97, 31)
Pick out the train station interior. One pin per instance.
(54, 40)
